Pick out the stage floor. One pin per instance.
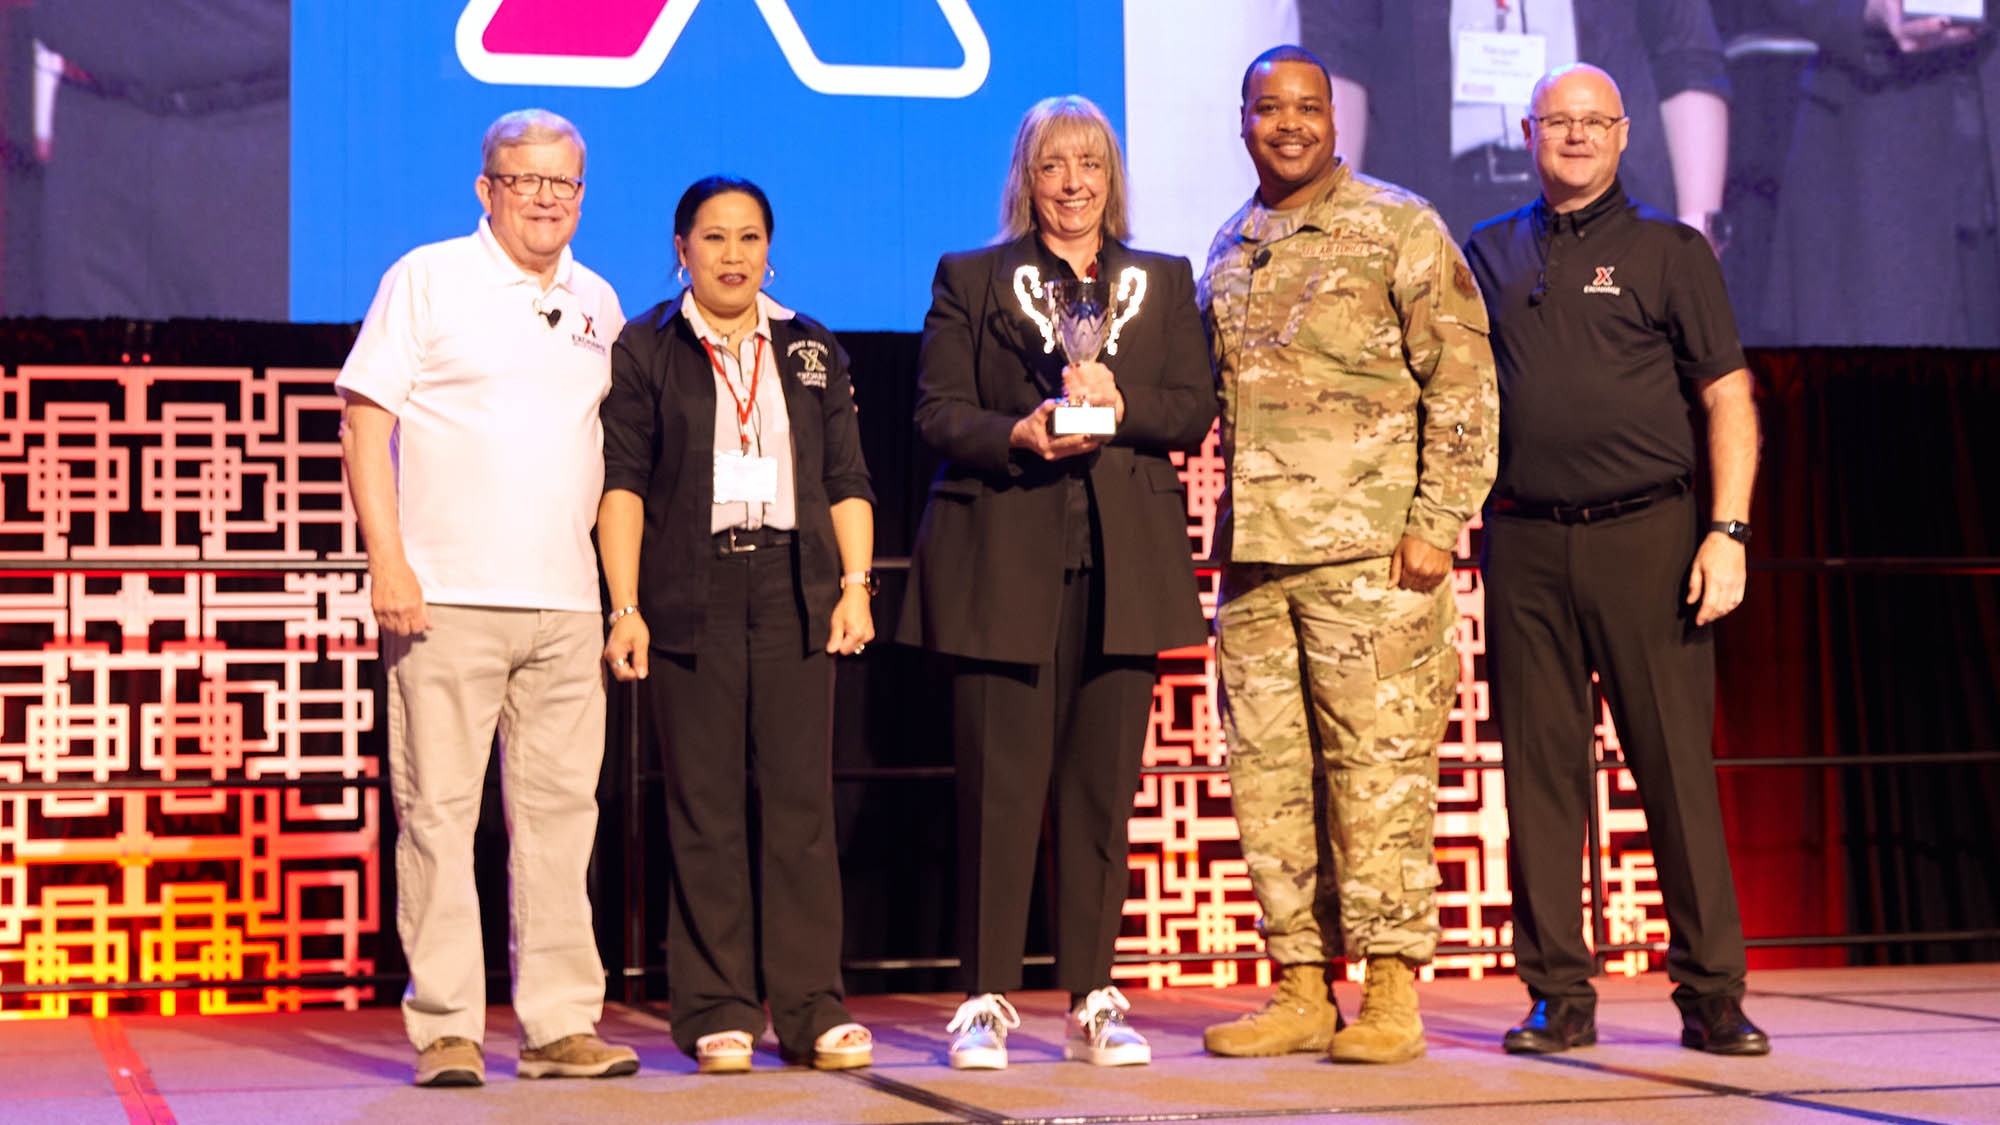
(1886, 1044)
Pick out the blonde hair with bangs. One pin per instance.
(1049, 123)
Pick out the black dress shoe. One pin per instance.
(1552, 1026)
(1716, 1024)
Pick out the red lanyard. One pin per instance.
(744, 407)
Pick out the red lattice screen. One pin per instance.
(187, 640)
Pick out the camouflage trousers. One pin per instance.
(1336, 690)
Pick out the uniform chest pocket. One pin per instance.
(1348, 316)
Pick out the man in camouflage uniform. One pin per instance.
(1359, 425)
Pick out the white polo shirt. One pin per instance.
(498, 450)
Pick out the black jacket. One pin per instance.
(659, 442)
(987, 572)
(1894, 155)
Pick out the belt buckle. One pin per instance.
(736, 548)
(1493, 172)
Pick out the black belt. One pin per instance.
(740, 540)
(1494, 164)
(193, 102)
(1589, 513)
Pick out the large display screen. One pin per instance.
(269, 159)
(880, 131)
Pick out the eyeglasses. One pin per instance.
(530, 183)
(1593, 126)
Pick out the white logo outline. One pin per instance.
(850, 79)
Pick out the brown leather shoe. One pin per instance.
(578, 1056)
(451, 1061)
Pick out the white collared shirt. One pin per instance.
(770, 426)
(495, 384)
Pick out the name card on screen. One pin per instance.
(1974, 10)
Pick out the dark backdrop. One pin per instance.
(1871, 628)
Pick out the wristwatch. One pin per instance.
(864, 578)
(1735, 529)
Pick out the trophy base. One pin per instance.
(1095, 421)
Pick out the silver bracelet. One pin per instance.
(614, 615)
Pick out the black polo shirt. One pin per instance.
(1602, 319)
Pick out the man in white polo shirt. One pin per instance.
(475, 459)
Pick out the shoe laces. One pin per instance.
(1297, 991)
(1386, 985)
(1102, 1006)
(990, 1010)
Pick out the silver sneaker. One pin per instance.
(1099, 1035)
(979, 1032)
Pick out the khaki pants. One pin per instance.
(1335, 800)
(534, 675)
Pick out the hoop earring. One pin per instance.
(770, 275)
(681, 276)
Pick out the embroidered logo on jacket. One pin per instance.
(1602, 283)
(811, 355)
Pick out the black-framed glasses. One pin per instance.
(1592, 125)
(530, 183)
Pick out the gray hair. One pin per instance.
(527, 127)
(1049, 122)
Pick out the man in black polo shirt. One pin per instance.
(1608, 320)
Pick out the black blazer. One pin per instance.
(986, 575)
(659, 442)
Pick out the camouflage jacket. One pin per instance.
(1358, 395)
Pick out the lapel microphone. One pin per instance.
(552, 315)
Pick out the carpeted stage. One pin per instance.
(1876, 1044)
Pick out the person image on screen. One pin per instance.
(1429, 91)
(737, 530)
(1052, 570)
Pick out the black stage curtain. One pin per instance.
(1869, 455)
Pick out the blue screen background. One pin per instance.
(867, 191)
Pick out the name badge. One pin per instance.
(743, 479)
(1498, 68)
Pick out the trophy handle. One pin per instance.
(1131, 292)
(1028, 287)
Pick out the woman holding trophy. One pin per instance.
(736, 530)
(1053, 564)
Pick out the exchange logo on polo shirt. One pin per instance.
(1603, 283)
(588, 337)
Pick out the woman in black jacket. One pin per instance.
(1053, 570)
(736, 531)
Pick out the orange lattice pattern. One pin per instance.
(1191, 889)
(115, 674)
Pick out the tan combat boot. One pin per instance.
(1388, 1030)
(1300, 1016)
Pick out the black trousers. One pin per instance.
(1067, 735)
(1563, 601)
(744, 922)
